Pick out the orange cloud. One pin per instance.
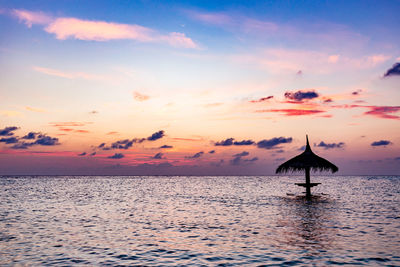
(69, 124)
(35, 109)
(140, 97)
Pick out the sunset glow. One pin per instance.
(210, 88)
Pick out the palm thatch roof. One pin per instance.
(306, 160)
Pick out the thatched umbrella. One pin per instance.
(307, 161)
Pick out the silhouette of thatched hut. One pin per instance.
(307, 161)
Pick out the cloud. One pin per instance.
(293, 112)
(262, 99)
(39, 110)
(69, 75)
(166, 146)
(243, 154)
(8, 131)
(357, 92)
(122, 144)
(393, 71)
(93, 112)
(382, 111)
(381, 143)
(377, 111)
(243, 143)
(301, 95)
(230, 142)
(211, 151)
(116, 156)
(195, 156)
(38, 139)
(88, 30)
(156, 136)
(22, 145)
(227, 142)
(238, 159)
(82, 154)
(31, 17)
(31, 135)
(140, 97)
(69, 124)
(9, 140)
(158, 156)
(45, 140)
(92, 154)
(329, 146)
(272, 143)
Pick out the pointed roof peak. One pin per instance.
(308, 148)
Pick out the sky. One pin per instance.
(198, 87)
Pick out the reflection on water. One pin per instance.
(307, 224)
(198, 221)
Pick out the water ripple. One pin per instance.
(199, 221)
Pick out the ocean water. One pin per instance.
(208, 221)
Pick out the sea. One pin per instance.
(199, 221)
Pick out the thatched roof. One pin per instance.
(307, 159)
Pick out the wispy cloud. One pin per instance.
(31, 17)
(262, 99)
(238, 159)
(195, 156)
(384, 112)
(158, 156)
(140, 97)
(278, 60)
(74, 28)
(39, 110)
(69, 75)
(293, 111)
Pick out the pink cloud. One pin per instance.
(383, 112)
(88, 30)
(293, 112)
(65, 28)
(31, 17)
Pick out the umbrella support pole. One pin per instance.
(308, 184)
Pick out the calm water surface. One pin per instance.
(199, 221)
